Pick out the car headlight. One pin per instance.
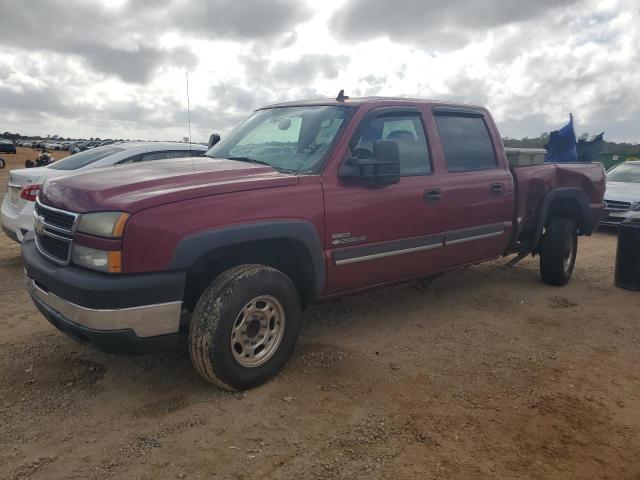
(103, 224)
(101, 260)
(635, 207)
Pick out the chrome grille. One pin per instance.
(616, 206)
(56, 218)
(54, 232)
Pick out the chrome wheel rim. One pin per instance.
(568, 255)
(257, 331)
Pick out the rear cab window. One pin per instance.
(466, 143)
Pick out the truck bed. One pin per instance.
(533, 182)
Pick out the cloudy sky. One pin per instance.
(116, 68)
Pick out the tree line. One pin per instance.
(543, 139)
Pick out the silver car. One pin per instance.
(622, 197)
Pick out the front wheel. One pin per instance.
(244, 327)
(559, 250)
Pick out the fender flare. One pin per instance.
(558, 194)
(193, 247)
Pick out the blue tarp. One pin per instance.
(562, 146)
(588, 150)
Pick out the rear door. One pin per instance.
(378, 234)
(477, 188)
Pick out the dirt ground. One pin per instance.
(486, 373)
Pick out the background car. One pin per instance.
(53, 146)
(622, 197)
(7, 146)
(24, 184)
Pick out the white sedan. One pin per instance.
(622, 198)
(24, 184)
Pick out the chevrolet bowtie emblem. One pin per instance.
(38, 224)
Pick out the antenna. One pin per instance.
(341, 97)
(188, 109)
(193, 166)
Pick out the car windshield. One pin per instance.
(627, 172)
(83, 159)
(290, 139)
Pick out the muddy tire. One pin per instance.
(244, 327)
(558, 253)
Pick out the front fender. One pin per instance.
(193, 247)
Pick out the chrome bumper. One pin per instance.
(145, 321)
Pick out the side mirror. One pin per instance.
(1, 163)
(382, 169)
(213, 139)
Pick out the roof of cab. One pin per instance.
(358, 101)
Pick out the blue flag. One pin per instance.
(562, 145)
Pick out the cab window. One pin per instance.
(466, 143)
(407, 131)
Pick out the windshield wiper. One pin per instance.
(245, 159)
(259, 162)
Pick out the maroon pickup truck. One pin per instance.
(302, 202)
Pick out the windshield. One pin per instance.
(627, 172)
(83, 159)
(292, 139)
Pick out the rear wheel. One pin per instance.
(558, 253)
(244, 327)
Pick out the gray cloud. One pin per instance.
(35, 101)
(123, 41)
(238, 20)
(435, 25)
(302, 70)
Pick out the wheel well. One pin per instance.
(290, 256)
(567, 207)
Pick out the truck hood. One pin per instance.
(131, 188)
(623, 192)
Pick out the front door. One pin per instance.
(380, 234)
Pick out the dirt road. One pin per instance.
(485, 373)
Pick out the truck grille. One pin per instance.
(56, 218)
(54, 232)
(55, 247)
(615, 206)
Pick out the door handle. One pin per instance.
(432, 195)
(497, 189)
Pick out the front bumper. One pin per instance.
(118, 313)
(615, 218)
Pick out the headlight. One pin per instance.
(103, 224)
(103, 261)
(636, 206)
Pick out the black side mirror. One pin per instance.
(1, 163)
(213, 139)
(383, 168)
